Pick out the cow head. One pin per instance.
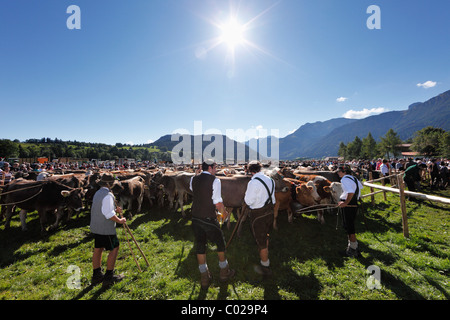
(277, 177)
(117, 188)
(336, 191)
(304, 195)
(287, 172)
(313, 189)
(74, 198)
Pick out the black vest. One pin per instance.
(202, 204)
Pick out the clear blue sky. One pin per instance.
(139, 69)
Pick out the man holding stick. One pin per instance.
(103, 227)
(207, 199)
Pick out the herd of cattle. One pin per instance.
(59, 194)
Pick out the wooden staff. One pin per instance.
(243, 212)
(125, 226)
(132, 253)
(137, 245)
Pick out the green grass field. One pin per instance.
(306, 258)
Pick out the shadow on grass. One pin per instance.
(303, 241)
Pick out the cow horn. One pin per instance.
(65, 193)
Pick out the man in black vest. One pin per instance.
(207, 199)
(260, 198)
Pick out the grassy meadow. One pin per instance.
(306, 258)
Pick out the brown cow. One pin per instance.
(304, 192)
(336, 191)
(167, 188)
(233, 193)
(331, 176)
(92, 186)
(150, 187)
(43, 196)
(182, 189)
(283, 201)
(234, 188)
(129, 191)
(176, 187)
(322, 186)
(72, 180)
(324, 190)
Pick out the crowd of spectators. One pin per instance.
(437, 168)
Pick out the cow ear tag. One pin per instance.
(65, 193)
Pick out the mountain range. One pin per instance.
(434, 112)
(322, 139)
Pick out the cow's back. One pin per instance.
(233, 190)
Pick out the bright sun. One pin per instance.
(232, 34)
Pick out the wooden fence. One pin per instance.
(398, 178)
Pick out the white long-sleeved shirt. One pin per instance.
(256, 194)
(108, 206)
(217, 189)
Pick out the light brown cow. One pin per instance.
(283, 201)
(129, 191)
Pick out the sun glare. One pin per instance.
(232, 34)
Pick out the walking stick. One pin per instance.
(129, 246)
(125, 226)
(243, 212)
(137, 245)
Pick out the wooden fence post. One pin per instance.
(383, 183)
(401, 189)
(372, 197)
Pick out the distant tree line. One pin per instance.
(429, 141)
(57, 148)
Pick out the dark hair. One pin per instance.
(254, 167)
(207, 163)
(345, 169)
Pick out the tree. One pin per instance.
(390, 143)
(342, 150)
(369, 147)
(428, 141)
(23, 153)
(444, 147)
(354, 148)
(33, 151)
(8, 148)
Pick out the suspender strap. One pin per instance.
(356, 196)
(269, 200)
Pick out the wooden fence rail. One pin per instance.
(402, 193)
(406, 192)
